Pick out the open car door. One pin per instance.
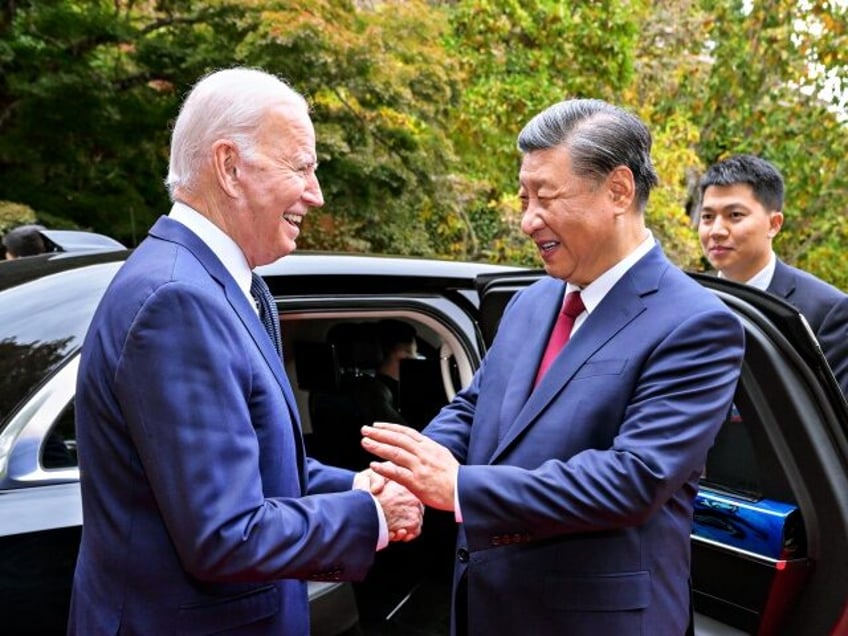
(770, 536)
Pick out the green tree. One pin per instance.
(775, 83)
(417, 106)
(520, 57)
(380, 85)
(87, 90)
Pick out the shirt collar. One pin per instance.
(223, 246)
(762, 279)
(595, 291)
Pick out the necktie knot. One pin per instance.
(267, 310)
(573, 305)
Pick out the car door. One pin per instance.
(770, 535)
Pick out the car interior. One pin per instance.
(332, 361)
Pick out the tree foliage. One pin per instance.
(417, 105)
(381, 86)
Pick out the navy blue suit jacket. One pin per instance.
(200, 513)
(824, 307)
(577, 496)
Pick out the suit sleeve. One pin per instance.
(673, 413)
(189, 391)
(452, 425)
(833, 338)
(322, 478)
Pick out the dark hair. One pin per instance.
(391, 332)
(25, 240)
(764, 178)
(600, 137)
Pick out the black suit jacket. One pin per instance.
(826, 309)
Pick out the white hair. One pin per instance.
(227, 104)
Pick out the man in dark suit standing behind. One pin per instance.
(741, 212)
(201, 513)
(572, 468)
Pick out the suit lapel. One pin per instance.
(534, 340)
(618, 308)
(169, 230)
(783, 282)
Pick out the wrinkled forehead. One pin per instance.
(545, 166)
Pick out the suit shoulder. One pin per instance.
(812, 284)
(689, 293)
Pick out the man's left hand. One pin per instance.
(426, 468)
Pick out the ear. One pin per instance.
(622, 188)
(225, 162)
(775, 223)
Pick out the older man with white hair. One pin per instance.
(201, 512)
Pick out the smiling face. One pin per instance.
(581, 226)
(277, 185)
(736, 230)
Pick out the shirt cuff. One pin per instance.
(383, 538)
(457, 512)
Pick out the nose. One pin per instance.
(718, 227)
(530, 219)
(312, 195)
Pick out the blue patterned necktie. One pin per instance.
(267, 310)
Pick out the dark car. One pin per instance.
(770, 539)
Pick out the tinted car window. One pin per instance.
(60, 446)
(43, 322)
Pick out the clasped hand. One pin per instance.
(403, 511)
(423, 466)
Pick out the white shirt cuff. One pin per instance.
(457, 512)
(383, 538)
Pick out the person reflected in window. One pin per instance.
(741, 212)
(24, 240)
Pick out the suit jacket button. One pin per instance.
(462, 555)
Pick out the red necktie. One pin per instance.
(571, 308)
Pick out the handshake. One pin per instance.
(403, 511)
(418, 472)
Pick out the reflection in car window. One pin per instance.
(35, 336)
(23, 365)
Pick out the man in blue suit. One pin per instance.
(741, 212)
(201, 513)
(574, 485)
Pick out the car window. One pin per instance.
(36, 337)
(60, 445)
(744, 499)
(732, 466)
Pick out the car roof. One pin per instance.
(302, 263)
(76, 241)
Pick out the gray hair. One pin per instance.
(600, 137)
(227, 104)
